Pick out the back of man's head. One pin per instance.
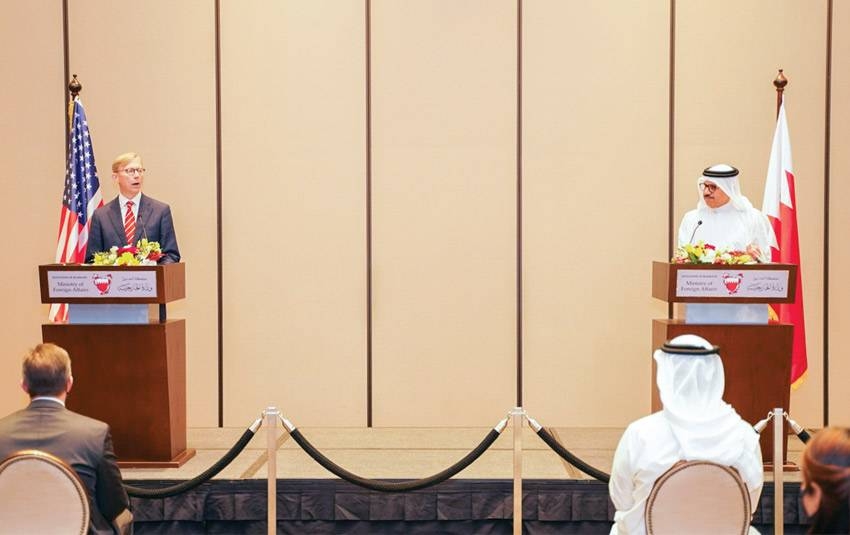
(690, 378)
(46, 370)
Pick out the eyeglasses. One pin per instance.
(133, 170)
(710, 188)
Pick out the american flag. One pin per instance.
(79, 200)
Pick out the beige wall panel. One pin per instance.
(293, 100)
(147, 70)
(444, 76)
(32, 127)
(725, 112)
(444, 123)
(595, 206)
(839, 220)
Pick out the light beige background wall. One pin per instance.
(839, 218)
(725, 111)
(294, 149)
(444, 78)
(32, 163)
(595, 206)
(444, 133)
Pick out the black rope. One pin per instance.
(556, 446)
(394, 486)
(167, 492)
(798, 429)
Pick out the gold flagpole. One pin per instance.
(779, 82)
(74, 86)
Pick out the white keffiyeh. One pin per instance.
(694, 424)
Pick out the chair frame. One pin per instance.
(64, 468)
(683, 465)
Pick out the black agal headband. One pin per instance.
(711, 172)
(667, 347)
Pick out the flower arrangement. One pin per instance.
(705, 253)
(145, 253)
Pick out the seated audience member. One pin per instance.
(825, 468)
(694, 424)
(82, 442)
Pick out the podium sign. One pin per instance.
(720, 283)
(732, 283)
(83, 284)
(100, 284)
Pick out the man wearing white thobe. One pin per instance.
(725, 218)
(695, 424)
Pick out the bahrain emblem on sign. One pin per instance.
(102, 283)
(732, 282)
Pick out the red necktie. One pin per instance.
(129, 223)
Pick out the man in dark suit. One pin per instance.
(132, 216)
(82, 442)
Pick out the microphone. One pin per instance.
(145, 230)
(691, 241)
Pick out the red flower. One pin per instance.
(155, 256)
(128, 249)
(709, 247)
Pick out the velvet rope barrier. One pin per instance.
(393, 486)
(565, 454)
(209, 473)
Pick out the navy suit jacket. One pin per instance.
(154, 223)
(82, 442)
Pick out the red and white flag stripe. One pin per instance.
(780, 206)
(71, 247)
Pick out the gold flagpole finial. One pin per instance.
(75, 87)
(779, 83)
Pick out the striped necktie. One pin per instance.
(129, 223)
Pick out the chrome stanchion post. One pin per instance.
(517, 418)
(778, 494)
(271, 415)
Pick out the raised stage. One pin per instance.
(557, 497)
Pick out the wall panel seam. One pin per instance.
(826, 181)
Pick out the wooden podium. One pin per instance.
(756, 355)
(130, 370)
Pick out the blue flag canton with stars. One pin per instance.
(81, 181)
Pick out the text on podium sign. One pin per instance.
(732, 283)
(101, 283)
